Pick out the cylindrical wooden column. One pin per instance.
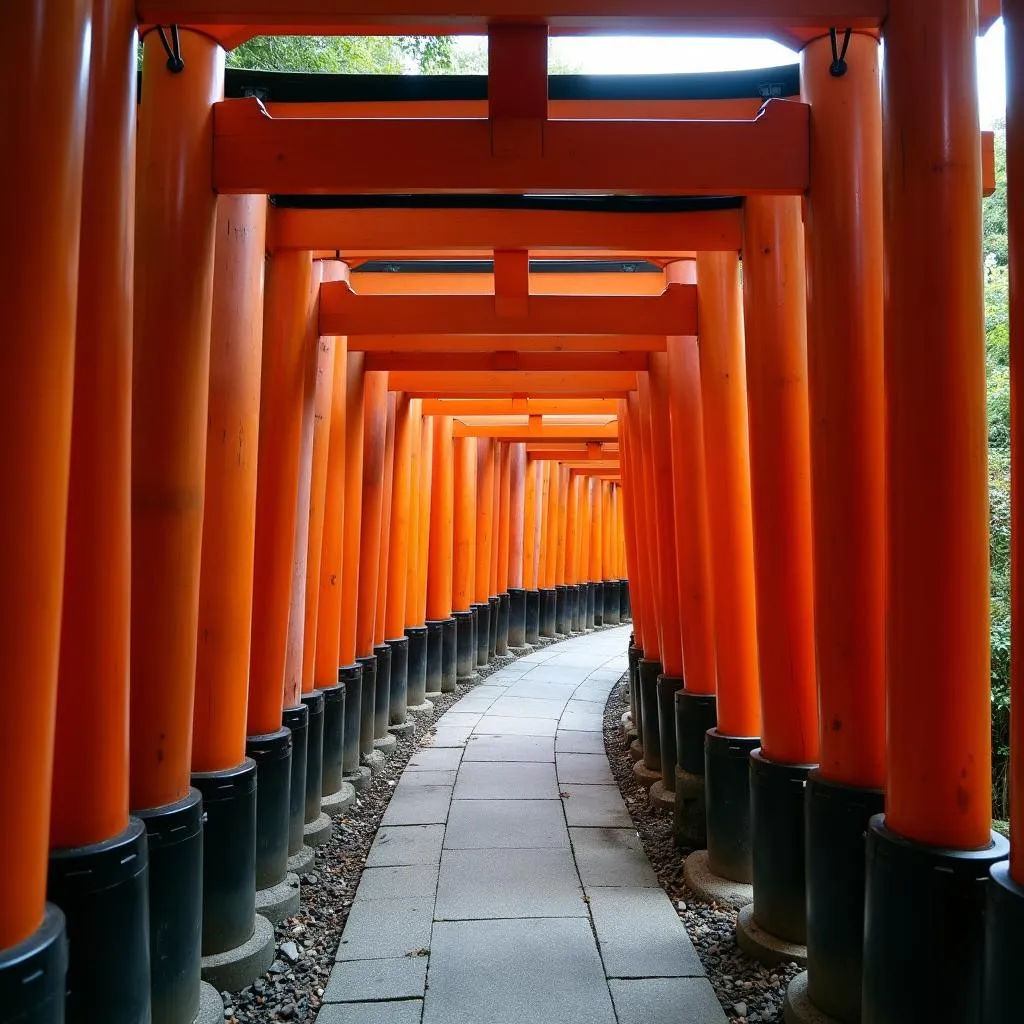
(464, 552)
(416, 552)
(442, 518)
(530, 522)
(485, 524)
(427, 436)
(517, 514)
(384, 561)
(355, 400)
(404, 521)
(375, 415)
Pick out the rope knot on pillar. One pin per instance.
(838, 67)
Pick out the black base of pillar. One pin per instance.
(382, 692)
(102, 890)
(532, 616)
(229, 856)
(273, 756)
(589, 620)
(611, 602)
(572, 608)
(838, 817)
(665, 687)
(581, 625)
(399, 648)
(297, 720)
(501, 639)
(777, 829)
(465, 646)
(175, 838)
(449, 659)
(416, 658)
(482, 612)
(634, 654)
(33, 974)
(649, 713)
(351, 677)
(562, 623)
(334, 739)
(368, 690)
(625, 607)
(1004, 926)
(516, 617)
(598, 603)
(547, 611)
(492, 636)
(314, 702)
(694, 714)
(727, 799)
(435, 658)
(924, 930)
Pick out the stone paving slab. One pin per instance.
(594, 806)
(541, 689)
(497, 725)
(583, 721)
(434, 759)
(406, 844)
(406, 1011)
(611, 857)
(423, 805)
(513, 972)
(490, 884)
(386, 929)
(506, 824)
(527, 707)
(585, 769)
(361, 981)
(495, 780)
(510, 748)
(396, 882)
(450, 736)
(640, 934)
(458, 717)
(661, 1001)
(426, 778)
(576, 742)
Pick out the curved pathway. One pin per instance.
(507, 884)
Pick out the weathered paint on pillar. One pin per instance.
(845, 364)
(90, 755)
(229, 518)
(500, 451)
(530, 523)
(504, 517)
(464, 524)
(442, 522)
(561, 510)
(403, 520)
(723, 381)
(375, 416)
(174, 253)
(379, 630)
(634, 569)
(571, 574)
(427, 441)
(937, 655)
(485, 523)
(518, 470)
(547, 513)
(776, 353)
(355, 423)
(414, 552)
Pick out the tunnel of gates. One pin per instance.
(278, 469)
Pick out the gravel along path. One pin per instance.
(306, 943)
(748, 992)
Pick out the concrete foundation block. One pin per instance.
(424, 710)
(358, 780)
(661, 797)
(301, 862)
(211, 1006)
(386, 744)
(798, 1008)
(318, 831)
(236, 968)
(402, 730)
(711, 888)
(279, 901)
(374, 760)
(636, 751)
(335, 803)
(764, 947)
(644, 775)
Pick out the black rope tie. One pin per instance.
(175, 62)
(839, 67)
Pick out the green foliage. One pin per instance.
(355, 55)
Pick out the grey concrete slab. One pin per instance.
(395, 882)
(488, 884)
(418, 805)
(515, 780)
(587, 769)
(582, 721)
(510, 748)
(359, 981)
(666, 1001)
(508, 972)
(405, 1011)
(588, 702)
(450, 736)
(498, 725)
(542, 690)
(406, 844)
(476, 703)
(575, 742)
(640, 934)
(426, 779)
(506, 824)
(527, 707)
(386, 929)
(594, 806)
(454, 717)
(434, 759)
(548, 675)
(611, 857)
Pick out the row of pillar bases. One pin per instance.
(817, 876)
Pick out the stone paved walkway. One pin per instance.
(506, 884)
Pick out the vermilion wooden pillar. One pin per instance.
(493, 599)
(464, 556)
(485, 529)
(531, 544)
(441, 667)
(1004, 915)
(518, 470)
(922, 892)
(174, 254)
(563, 624)
(845, 349)
(547, 515)
(89, 813)
(571, 551)
(383, 741)
(723, 384)
(503, 546)
(776, 354)
(646, 550)
(416, 568)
